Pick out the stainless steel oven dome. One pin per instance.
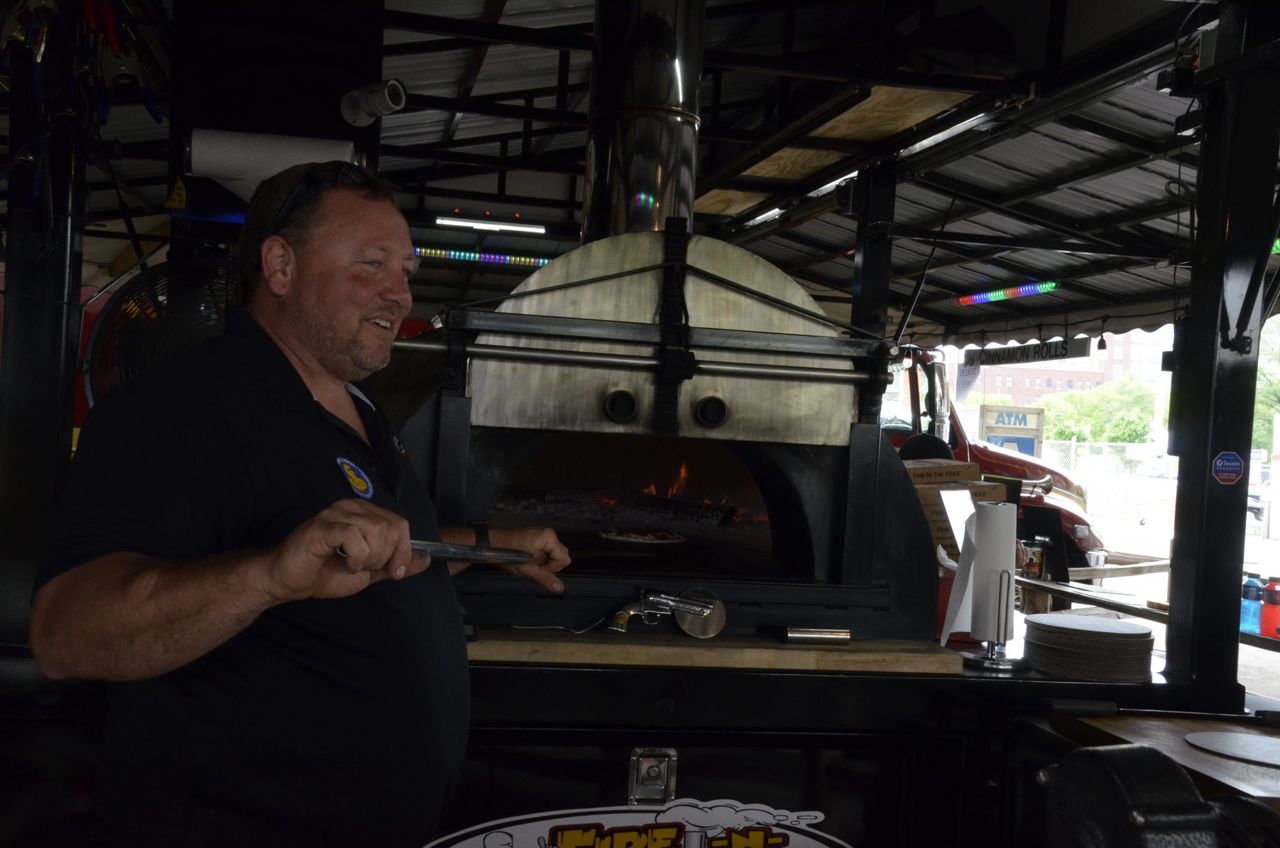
(570, 397)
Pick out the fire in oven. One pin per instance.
(689, 422)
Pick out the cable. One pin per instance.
(924, 272)
(562, 627)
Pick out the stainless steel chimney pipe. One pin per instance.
(643, 145)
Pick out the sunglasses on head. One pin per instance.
(317, 178)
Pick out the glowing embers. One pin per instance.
(720, 508)
(473, 256)
(1006, 294)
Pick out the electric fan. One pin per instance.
(156, 315)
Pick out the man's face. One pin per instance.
(353, 284)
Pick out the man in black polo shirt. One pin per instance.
(234, 557)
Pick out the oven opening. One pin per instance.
(662, 506)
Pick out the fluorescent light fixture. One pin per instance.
(760, 219)
(491, 226)
(1006, 294)
(938, 138)
(831, 186)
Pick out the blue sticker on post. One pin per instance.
(1228, 468)
(356, 478)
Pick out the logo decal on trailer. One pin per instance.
(683, 823)
(357, 479)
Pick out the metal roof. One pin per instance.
(1076, 150)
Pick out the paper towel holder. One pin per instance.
(993, 660)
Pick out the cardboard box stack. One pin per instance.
(931, 476)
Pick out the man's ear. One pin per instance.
(279, 265)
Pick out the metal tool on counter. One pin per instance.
(818, 635)
(698, 613)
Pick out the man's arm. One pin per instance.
(125, 616)
(551, 556)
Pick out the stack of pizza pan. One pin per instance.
(1085, 647)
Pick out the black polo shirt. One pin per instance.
(325, 722)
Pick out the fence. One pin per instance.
(1110, 459)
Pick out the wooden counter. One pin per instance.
(676, 650)
(1213, 773)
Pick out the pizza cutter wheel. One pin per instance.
(701, 626)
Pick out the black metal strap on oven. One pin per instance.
(676, 362)
(453, 375)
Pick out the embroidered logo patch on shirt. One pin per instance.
(358, 480)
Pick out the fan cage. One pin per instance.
(156, 316)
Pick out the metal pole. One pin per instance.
(41, 316)
(1214, 378)
(875, 192)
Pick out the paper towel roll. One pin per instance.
(995, 531)
(239, 161)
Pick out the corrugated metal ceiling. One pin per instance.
(1091, 171)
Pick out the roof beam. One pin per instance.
(478, 140)
(526, 94)
(896, 298)
(844, 296)
(467, 33)
(834, 67)
(1024, 212)
(806, 207)
(1068, 278)
(475, 61)
(1168, 149)
(1085, 83)
(559, 162)
(488, 197)
(481, 106)
(822, 112)
(731, 135)
(1024, 243)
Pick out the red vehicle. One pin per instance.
(918, 407)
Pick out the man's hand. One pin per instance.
(552, 556)
(340, 551)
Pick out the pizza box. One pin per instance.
(939, 527)
(941, 470)
(931, 494)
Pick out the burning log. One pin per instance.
(698, 512)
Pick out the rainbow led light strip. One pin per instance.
(472, 256)
(1006, 294)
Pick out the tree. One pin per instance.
(1267, 399)
(1116, 411)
